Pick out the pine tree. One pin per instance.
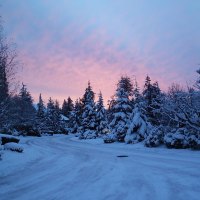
(67, 107)
(64, 108)
(89, 124)
(136, 92)
(41, 108)
(136, 98)
(152, 101)
(121, 110)
(197, 84)
(76, 117)
(137, 130)
(102, 122)
(53, 117)
(3, 81)
(27, 111)
(110, 110)
(41, 116)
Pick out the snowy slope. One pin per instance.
(62, 167)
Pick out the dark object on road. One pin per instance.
(122, 156)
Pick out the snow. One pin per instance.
(63, 167)
(13, 147)
(64, 118)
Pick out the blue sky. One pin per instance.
(65, 43)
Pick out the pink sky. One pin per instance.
(65, 44)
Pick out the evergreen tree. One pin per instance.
(152, 101)
(136, 92)
(41, 116)
(137, 130)
(64, 108)
(3, 80)
(136, 98)
(41, 108)
(76, 116)
(102, 122)
(197, 84)
(27, 111)
(121, 110)
(67, 107)
(110, 110)
(53, 117)
(89, 123)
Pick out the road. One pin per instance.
(61, 167)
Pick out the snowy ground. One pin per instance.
(62, 167)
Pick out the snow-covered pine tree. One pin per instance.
(137, 130)
(75, 117)
(121, 111)
(22, 113)
(136, 92)
(152, 101)
(53, 117)
(89, 123)
(110, 110)
(27, 110)
(67, 107)
(197, 83)
(41, 116)
(41, 108)
(102, 122)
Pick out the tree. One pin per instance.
(102, 122)
(137, 130)
(183, 111)
(76, 117)
(121, 110)
(67, 107)
(110, 110)
(136, 92)
(152, 101)
(41, 116)
(89, 123)
(41, 108)
(8, 68)
(53, 117)
(197, 83)
(27, 110)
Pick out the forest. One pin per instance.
(133, 114)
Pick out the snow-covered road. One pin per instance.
(61, 167)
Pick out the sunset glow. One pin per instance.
(63, 44)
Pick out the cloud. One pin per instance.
(63, 45)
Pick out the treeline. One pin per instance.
(152, 116)
(133, 115)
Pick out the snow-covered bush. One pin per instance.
(137, 129)
(110, 138)
(26, 130)
(89, 134)
(154, 138)
(194, 140)
(176, 139)
(13, 147)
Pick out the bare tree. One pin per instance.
(8, 69)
